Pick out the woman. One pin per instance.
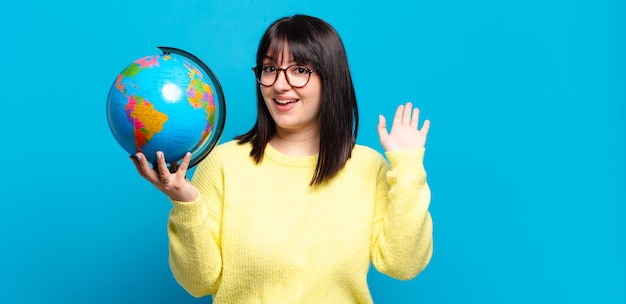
(294, 211)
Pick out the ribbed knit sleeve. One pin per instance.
(194, 231)
(402, 240)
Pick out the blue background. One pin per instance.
(526, 155)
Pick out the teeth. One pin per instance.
(285, 101)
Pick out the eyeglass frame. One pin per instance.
(284, 70)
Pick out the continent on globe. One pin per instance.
(146, 120)
(200, 96)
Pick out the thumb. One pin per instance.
(382, 128)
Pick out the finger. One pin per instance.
(146, 170)
(142, 165)
(398, 117)
(415, 118)
(136, 163)
(382, 127)
(406, 116)
(425, 127)
(164, 172)
(182, 169)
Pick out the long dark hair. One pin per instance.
(315, 42)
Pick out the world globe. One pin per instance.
(170, 102)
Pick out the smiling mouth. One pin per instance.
(286, 101)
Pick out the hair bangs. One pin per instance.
(285, 36)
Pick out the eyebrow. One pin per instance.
(273, 60)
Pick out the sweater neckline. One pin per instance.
(290, 160)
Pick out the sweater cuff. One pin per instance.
(413, 156)
(189, 213)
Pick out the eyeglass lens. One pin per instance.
(296, 75)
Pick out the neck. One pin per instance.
(301, 143)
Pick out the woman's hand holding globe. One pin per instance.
(174, 184)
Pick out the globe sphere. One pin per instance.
(170, 102)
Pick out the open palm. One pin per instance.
(405, 133)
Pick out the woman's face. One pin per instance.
(293, 109)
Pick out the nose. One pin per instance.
(281, 81)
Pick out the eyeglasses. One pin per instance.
(296, 75)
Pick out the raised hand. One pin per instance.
(171, 181)
(405, 133)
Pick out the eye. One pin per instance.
(268, 69)
(298, 70)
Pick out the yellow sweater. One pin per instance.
(261, 234)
